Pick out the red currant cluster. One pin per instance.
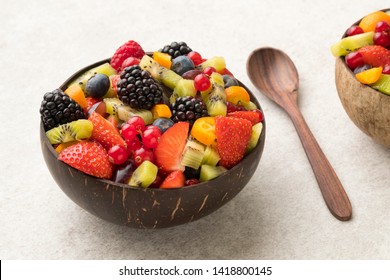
(140, 140)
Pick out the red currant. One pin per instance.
(142, 154)
(354, 59)
(386, 70)
(354, 30)
(128, 131)
(117, 154)
(382, 26)
(195, 57)
(138, 123)
(382, 39)
(151, 136)
(202, 82)
(209, 70)
(133, 145)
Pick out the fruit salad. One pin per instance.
(166, 119)
(366, 50)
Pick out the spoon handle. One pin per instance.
(331, 188)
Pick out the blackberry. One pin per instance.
(58, 108)
(188, 109)
(176, 49)
(138, 89)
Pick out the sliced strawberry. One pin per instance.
(104, 132)
(232, 135)
(376, 55)
(88, 157)
(170, 148)
(254, 116)
(175, 179)
(129, 49)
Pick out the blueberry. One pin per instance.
(97, 86)
(163, 124)
(362, 68)
(229, 81)
(182, 64)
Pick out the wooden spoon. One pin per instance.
(274, 74)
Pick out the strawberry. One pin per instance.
(129, 49)
(104, 132)
(88, 157)
(254, 116)
(170, 148)
(375, 55)
(232, 135)
(174, 179)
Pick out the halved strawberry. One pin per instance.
(232, 135)
(104, 132)
(376, 55)
(170, 148)
(174, 179)
(88, 157)
(254, 116)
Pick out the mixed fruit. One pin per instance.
(366, 50)
(166, 119)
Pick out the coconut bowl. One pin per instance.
(368, 108)
(149, 208)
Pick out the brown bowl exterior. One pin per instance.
(149, 208)
(369, 109)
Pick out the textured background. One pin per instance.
(279, 215)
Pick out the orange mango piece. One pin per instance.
(77, 94)
(369, 21)
(163, 59)
(203, 130)
(65, 145)
(161, 111)
(237, 95)
(369, 76)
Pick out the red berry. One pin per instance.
(354, 30)
(382, 39)
(117, 154)
(142, 154)
(129, 49)
(382, 26)
(130, 61)
(133, 145)
(138, 123)
(191, 182)
(354, 59)
(128, 132)
(209, 70)
(151, 136)
(195, 57)
(386, 70)
(202, 82)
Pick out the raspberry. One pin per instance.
(129, 49)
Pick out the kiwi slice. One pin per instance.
(193, 153)
(211, 156)
(112, 105)
(161, 74)
(218, 62)
(105, 68)
(352, 43)
(255, 136)
(208, 172)
(126, 112)
(144, 175)
(217, 79)
(184, 87)
(76, 130)
(383, 84)
(216, 101)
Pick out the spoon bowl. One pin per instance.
(274, 74)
